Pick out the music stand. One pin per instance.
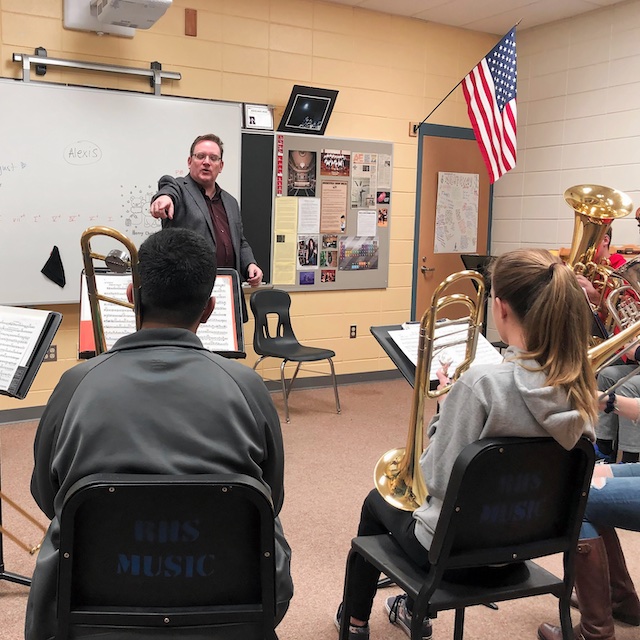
(479, 264)
(24, 378)
(223, 333)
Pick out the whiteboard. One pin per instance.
(76, 157)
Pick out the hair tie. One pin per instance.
(552, 268)
(610, 406)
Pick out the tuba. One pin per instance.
(623, 303)
(397, 474)
(117, 261)
(595, 208)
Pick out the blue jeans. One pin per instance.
(617, 504)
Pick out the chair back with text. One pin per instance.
(171, 554)
(508, 502)
(512, 498)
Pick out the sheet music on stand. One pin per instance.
(408, 338)
(25, 338)
(222, 333)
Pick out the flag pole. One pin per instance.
(416, 127)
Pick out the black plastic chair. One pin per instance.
(169, 556)
(508, 500)
(282, 343)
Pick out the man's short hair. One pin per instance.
(177, 272)
(212, 137)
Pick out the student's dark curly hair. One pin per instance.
(177, 273)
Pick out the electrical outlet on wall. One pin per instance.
(51, 355)
(352, 331)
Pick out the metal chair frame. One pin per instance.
(284, 344)
(480, 554)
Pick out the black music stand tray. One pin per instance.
(391, 348)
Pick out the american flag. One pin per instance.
(490, 92)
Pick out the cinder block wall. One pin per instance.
(578, 123)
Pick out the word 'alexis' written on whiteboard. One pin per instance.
(457, 213)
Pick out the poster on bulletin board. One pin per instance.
(332, 213)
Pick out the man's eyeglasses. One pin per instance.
(212, 156)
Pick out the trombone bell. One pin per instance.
(117, 261)
(394, 485)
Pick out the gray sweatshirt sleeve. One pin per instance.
(460, 422)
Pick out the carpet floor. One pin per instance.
(329, 470)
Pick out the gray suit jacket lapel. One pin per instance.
(198, 198)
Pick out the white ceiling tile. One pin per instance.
(490, 16)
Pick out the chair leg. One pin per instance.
(565, 619)
(458, 626)
(285, 393)
(293, 379)
(286, 389)
(335, 385)
(258, 361)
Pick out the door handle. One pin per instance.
(424, 269)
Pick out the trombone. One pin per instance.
(116, 261)
(3, 530)
(397, 474)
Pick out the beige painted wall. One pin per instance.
(389, 71)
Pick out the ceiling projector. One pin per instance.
(135, 14)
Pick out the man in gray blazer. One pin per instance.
(197, 202)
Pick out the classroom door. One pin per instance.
(450, 149)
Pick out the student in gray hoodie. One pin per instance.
(544, 387)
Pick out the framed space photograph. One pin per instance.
(308, 110)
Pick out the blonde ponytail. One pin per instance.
(556, 320)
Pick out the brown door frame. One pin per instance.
(438, 131)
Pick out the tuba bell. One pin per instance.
(117, 261)
(397, 475)
(595, 208)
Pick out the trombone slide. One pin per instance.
(3, 530)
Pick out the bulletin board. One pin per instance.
(332, 213)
